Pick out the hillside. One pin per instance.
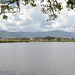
(55, 33)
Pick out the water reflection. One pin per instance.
(37, 59)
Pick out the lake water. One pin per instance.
(47, 58)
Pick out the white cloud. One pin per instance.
(2, 26)
(32, 20)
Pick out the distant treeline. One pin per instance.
(49, 38)
(38, 39)
(43, 39)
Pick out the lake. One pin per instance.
(37, 58)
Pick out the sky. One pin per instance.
(33, 20)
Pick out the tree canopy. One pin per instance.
(50, 7)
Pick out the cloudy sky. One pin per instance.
(33, 20)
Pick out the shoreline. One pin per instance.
(15, 41)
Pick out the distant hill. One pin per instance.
(55, 33)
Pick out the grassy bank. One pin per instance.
(13, 41)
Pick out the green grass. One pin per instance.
(12, 41)
(9, 41)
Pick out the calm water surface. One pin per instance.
(46, 58)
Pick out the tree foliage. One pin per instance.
(51, 7)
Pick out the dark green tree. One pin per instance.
(37, 38)
(49, 38)
(26, 38)
(58, 38)
(52, 7)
